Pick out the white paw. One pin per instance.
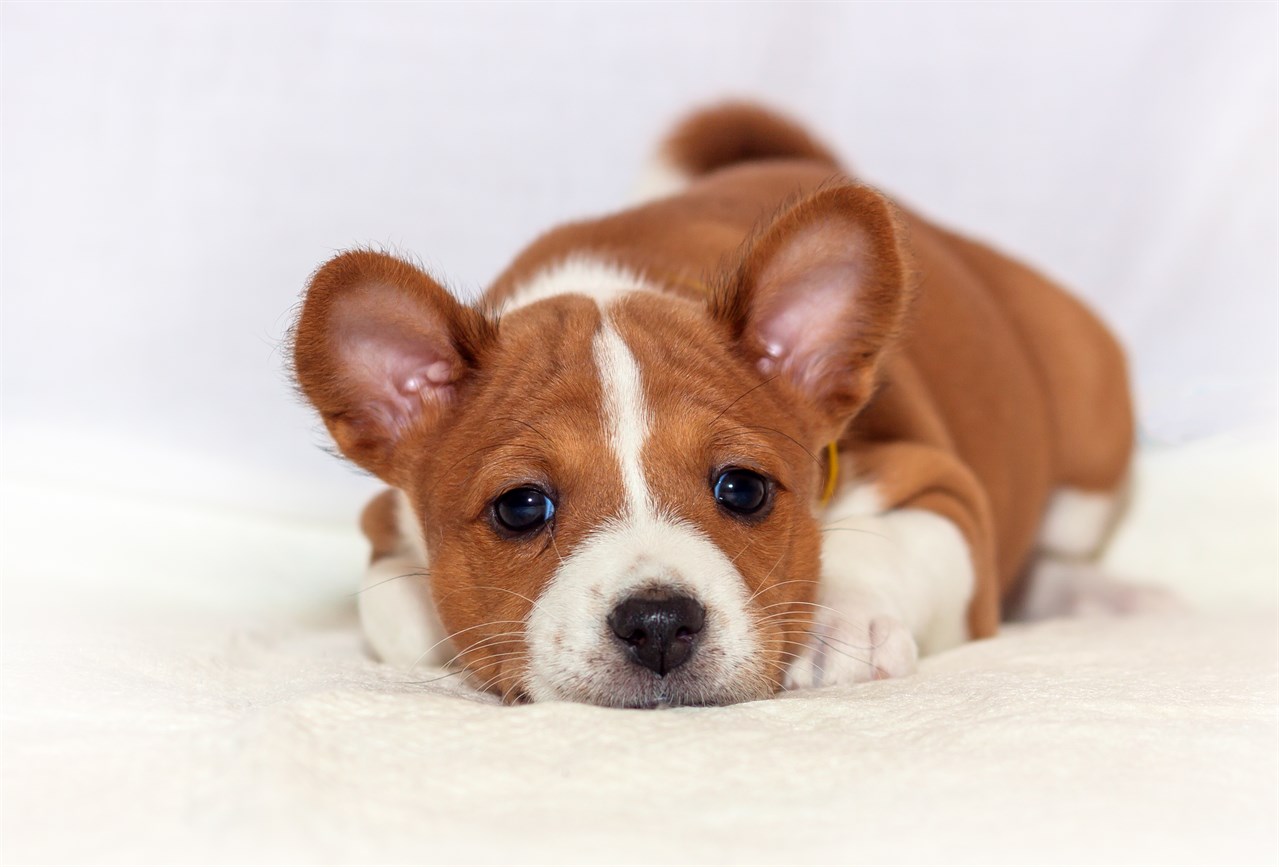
(843, 650)
(1119, 598)
(1064, 588)
(398, 616)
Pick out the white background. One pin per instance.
(172, 173)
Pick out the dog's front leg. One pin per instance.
(397, 613)
(853, 639)
(895, 583)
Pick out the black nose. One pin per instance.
(658, 632)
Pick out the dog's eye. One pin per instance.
(523, 510)
(741, 491)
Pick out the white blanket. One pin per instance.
(184, 685)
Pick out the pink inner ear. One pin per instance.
(395, 364)
(802, 328)
(807, 300)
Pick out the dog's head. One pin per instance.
(617, 496)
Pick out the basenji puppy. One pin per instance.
(765, 430)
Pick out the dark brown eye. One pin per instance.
(741, 491)
(523, 510)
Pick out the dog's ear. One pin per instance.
(382, 351)
(817, 296)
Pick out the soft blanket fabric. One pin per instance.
(184, 685)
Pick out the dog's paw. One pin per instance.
(844, 650)
(1063, 588)
(398, 617)
(1121, 598)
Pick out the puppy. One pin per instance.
(766, 430)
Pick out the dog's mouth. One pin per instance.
(625, 688)
(666, 701)
(617, 683)
(612, 678)
(665, 695)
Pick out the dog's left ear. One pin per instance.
(817, 296)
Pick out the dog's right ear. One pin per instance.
(382, 351)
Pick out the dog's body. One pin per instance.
(664, 384)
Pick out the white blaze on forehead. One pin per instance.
(625, 414)
(573, 653)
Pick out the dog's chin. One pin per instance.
(668, 696)
(636, 689)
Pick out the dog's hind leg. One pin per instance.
(1065, 579)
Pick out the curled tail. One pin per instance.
(724, 135)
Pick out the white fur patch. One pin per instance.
(573, 653)
(859, 501)
(1077, 522)
(578, 274)
(903, 572)
(625, 415)
(397, 613)
(660, 178)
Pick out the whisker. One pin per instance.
(506, 590)
(749, 542)
(515, 685)
(463, 671)
(798, 615)
(793, 656)
(781, 584)
(808, 604)
(414, 574)
(520, 421)
(742, 395)
(771, 683)
(764, 580)
(815, 635)
(801, 615)
(555, 546)
(782, 433)
(795, 636)
(446, 474)
(492, 680)
(853, 530)
(453, 635)
(491, 641)
(499, 661)
(824, 643)
(431, 680)
(773, 622)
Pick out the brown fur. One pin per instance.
(381, 527)
(737, 133)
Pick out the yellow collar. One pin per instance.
(832, 473)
